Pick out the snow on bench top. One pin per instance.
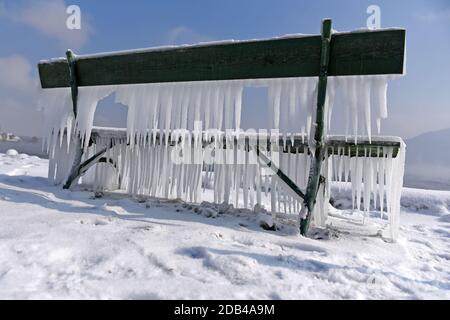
(202, 44)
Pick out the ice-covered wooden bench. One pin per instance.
(170, 90)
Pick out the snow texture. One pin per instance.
(59, 244)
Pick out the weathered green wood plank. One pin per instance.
(337, 145)
(373, 52)
(357, 53)
(297, 145)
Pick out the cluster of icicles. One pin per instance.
(141, 160)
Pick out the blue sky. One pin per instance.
(31, 30)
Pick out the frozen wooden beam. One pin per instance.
(353, 53)
(364, 147)
(297, 145)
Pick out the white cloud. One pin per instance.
(185, 35)
(49, 18)
(15, 73)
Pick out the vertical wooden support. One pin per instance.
(319, 135)
(73, 80)
(75, 140)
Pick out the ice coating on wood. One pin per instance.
(218, 104)
(362, 98)
(376, 182)
(60, 161)
(162, 115)
(56, 108)
(144, 170)
(88, 99)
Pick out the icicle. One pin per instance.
(145, 165)
(238, 104)
(380, 90)
(56, 106)
(382, 182)
(286, 87)
(374, 176)
(345, 85)
(293, 115)
(341, 164)
(353, 102)
(291, 174)
(273, 198)
(367, 183)
(331, 92)
(310, 85)
(274, 103)
(365, 99)
(301, 99)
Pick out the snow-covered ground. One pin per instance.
(61, 244)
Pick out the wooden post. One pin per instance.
(75, 140)
(73, 83)
(319, 135)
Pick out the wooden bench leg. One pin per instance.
(78, 168)
(283, 177)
